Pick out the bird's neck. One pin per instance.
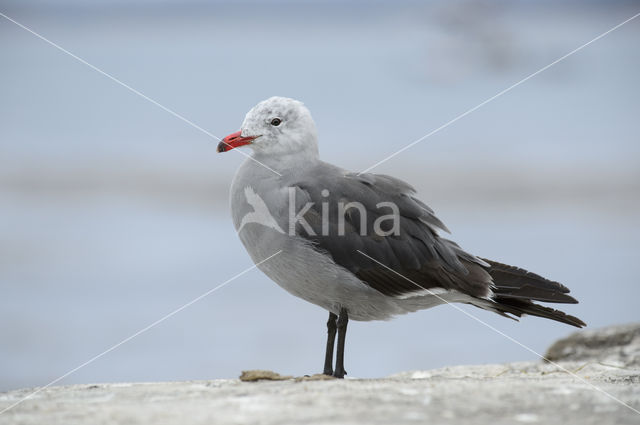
(285, 162)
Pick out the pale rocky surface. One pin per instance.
(613, 345)
(593, 393)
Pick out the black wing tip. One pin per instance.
(547, 297)
(570, 300)
(520, 307)
(569, 319)
(573, 321)
(580, 324)
(515, 282)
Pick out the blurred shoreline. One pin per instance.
(597, 187)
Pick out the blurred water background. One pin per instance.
(114, 212)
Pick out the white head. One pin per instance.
(276, 126)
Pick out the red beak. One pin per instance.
(234, 140)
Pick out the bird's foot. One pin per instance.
(339, 373)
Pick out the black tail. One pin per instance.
(515, 289)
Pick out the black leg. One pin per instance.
(343, 319)
(331, 337)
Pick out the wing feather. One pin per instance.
(417, 257)
(417, 251)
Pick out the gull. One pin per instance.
(360, 245)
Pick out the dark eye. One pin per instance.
(276, 122)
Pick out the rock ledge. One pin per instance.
(604, 376)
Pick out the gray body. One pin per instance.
(364, 274)
(301, 269)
